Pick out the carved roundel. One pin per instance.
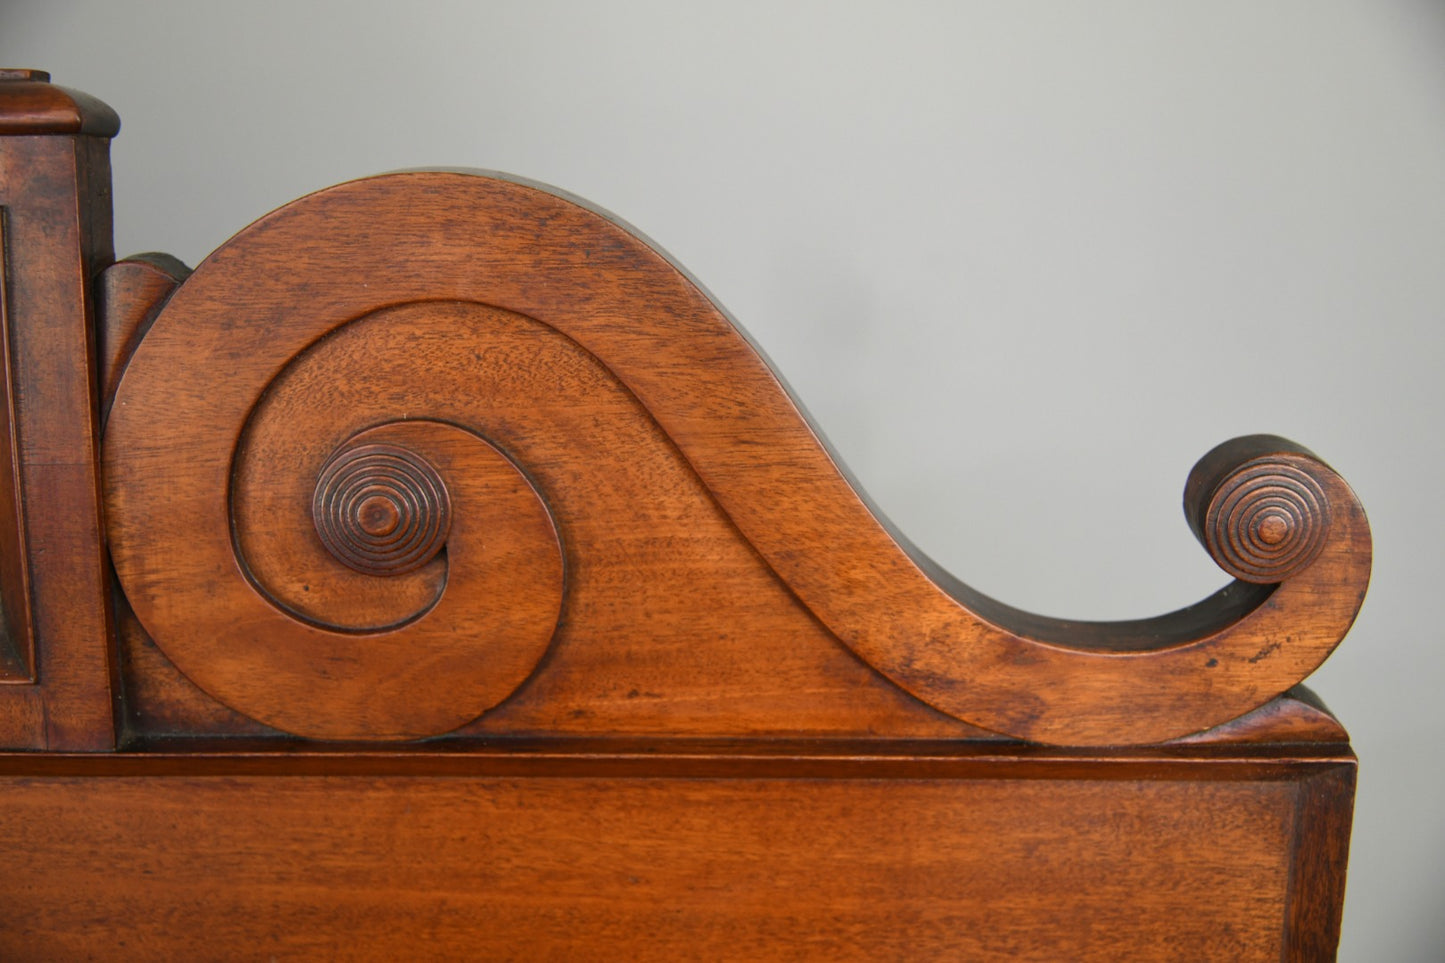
(1267, 522)
(381, 509)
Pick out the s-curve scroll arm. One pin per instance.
(1270, 513)
(496, 309)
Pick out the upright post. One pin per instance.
(55, 236)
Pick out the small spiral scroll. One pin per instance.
(381, 509)
(1266, 522)
(1258, 509)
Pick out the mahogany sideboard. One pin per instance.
(436, 572)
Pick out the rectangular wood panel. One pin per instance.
(17, 642)
(385, 865)
(54, 190)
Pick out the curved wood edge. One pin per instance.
(131, 292)
(30, 104)
(1296, 717)
(529, 250)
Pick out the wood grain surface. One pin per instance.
(1129, 859)
(454, 580)
(311, 271)
(671, 623)
(131, 292)
(56, 233)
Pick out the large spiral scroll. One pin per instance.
(365, 409)
(312, 574)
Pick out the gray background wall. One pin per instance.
(1007, 253)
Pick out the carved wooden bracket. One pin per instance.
(545, 365)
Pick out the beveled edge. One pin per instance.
(30, 104)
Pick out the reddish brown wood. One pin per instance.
(1297, 717)
(652, 856)
(33, 105)
(158, 701)
(606, 292)
(55, 196)
(672, 625)
(17, 636)
(1323, 810)
(1257, 507)
(381, 509)
(457, 463)
(131, 292)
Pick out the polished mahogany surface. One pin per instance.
(436, 571)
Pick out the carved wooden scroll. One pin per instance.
(441, 563)
(384, 416)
